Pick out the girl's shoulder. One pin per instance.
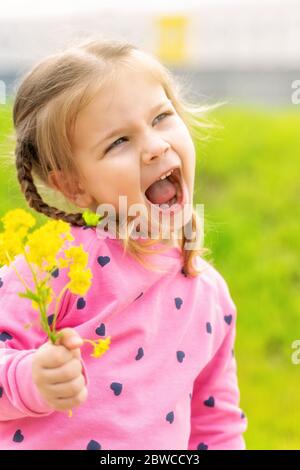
(208, 272)
(213, 282)
(100, 247)
(89, 237)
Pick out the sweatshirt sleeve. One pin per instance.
(19, 397)
(217, 422)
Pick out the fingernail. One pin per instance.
(76, 341)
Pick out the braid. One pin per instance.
(25, 154)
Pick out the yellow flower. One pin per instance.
(18, 219)
(80, 280)
(77, 255)
(101, 346)
(62, 263)
(44, 243)
(16, 224)
(10, 246)
(61, 227)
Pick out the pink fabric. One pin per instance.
(168, 380)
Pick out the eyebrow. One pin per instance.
(122, 129)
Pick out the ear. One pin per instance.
(70, 188)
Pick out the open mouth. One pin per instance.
(166, 192)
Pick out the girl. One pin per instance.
(100, 120)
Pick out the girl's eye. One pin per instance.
(115, 143)
(168, 113)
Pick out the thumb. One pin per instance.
(69, 338)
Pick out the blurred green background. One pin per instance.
(248, 180)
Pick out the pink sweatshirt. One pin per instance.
(168, 380)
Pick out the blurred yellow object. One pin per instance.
(172, 39)
(100, 346)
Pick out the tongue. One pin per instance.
(161, 191)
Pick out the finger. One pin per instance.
(62, 374)
(52, 356)
(67, 389)
(67, 403)
(76, 353)
(69, 338)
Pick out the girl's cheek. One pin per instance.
(186, 149)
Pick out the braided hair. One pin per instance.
(26, 155)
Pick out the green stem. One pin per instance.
(44, 321)
(58, 299)
(16, 271)
(42, 306)
(31, 269)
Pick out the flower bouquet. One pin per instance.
(45, 250)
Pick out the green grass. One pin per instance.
(248, 179)
(10, 193)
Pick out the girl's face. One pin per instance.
(125, 139)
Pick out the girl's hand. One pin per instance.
(57, 371)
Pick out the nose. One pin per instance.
(154, 147)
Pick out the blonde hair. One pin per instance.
(47, 103)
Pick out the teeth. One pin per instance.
(166, 175)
